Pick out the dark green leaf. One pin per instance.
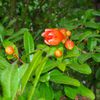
(98, 74)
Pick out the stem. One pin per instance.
(16, 56)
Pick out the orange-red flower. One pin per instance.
(52, 36)
(69, 44)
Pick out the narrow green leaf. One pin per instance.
(98, 74)
(39, 71)
(28, 44)
(32, 66)
(91, 44)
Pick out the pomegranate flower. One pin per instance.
(53, 36)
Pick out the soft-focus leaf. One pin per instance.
(91, 44)
(36, 80)
(32, 66)
(72, 92)
(96, 57)
(98, 74)
(82, 68)
(73, 53)
(28, 44)
(84, 57)
(45, 92)
(58, 77)
(84, 35)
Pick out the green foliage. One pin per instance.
(36, 73)
(72, 92)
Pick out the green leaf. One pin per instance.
(38, 73)
(92, 24)
(72, 92)
(3, 63)
(96, 57)
(84, 35)
(58, 95)
(5, 78)
(58, 77)
(21, 70)
(84, 57)
(98, 74)
(50, 65)
(31, 68)
(45, 91)
(45, 77)
(82, 68)
(91, 44)
(62, 66)
(28, 44)
(73, 53)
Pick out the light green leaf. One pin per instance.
(84, 57)
(45, 91)
(58, 77)
(91, 44)
(28, 44)
(82, 68)
(73, 53)
(3, 63)
(38, 73)
(31, 68)
(96, 57)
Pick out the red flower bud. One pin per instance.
(52, 36)
(9, 50)
(69, 44)
(58, 53)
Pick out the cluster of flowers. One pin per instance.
(55, 36)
